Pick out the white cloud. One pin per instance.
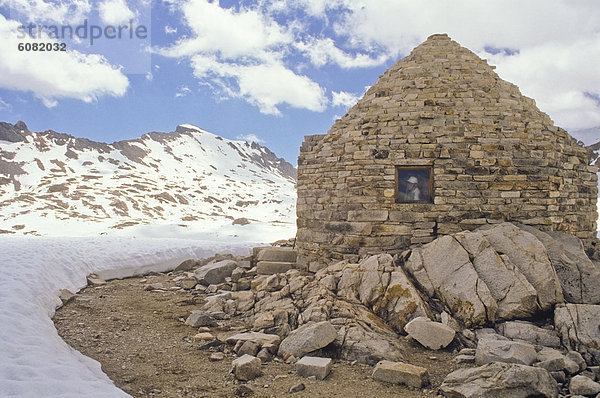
(557, 76)
(115, 12)
(250, 138)
(228, 33)
(183, 91)
(241, 52)
(263, 85)
(170, 30)
(313, 8)
(324, 51)
(59, 12)
(555, 43)
(552, 46)
(149, 76)
(344, 99)
(56, 74)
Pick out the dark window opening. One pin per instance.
(414, 184)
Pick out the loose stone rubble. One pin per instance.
(491, 295)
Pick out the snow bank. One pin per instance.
(34, 360)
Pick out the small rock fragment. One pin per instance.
(216, 356)
(203, 337)
(243, 391)
(248, 347)
(297, 388)
(154, 286)
(66, 296)
(246, 367)
(401, 373)
(186, 265)
(314, 366)
(95, 280)
(581, 385)
(189, 283)
(264, 355)
(200, 318)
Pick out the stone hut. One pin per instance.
(476, 149)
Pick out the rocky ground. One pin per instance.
(502, 311)
(140, 338)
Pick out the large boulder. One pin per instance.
(433, 335)
(495, 273)
(308, 338)
(443, 268)
(526, 331)
(493, 350)
(495, 380)
(382, 287)
(529, 255)
(578, 275)
(215, 273)
(579, 328)
(515, 296)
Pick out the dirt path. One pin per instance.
(140, 338)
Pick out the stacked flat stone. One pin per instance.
(494, 157)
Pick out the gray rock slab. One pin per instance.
(277, 254)
(401, 373)
(273, 267)
(495, 380)
(530, 256)
(433, 335)
(443, 268)
(515, 296)
(578, 326)
(186, 265)
(491, 350)
(578, 275)
(308, 338)
(314, 366)
(262, 339)
(533, 334)
(200, 318)
(215, 273)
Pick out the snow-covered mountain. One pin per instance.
(164, 183)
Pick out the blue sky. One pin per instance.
(275, 70)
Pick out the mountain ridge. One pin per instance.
(181, 177)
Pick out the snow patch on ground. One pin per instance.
(34, 360)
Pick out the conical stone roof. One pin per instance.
(442, 78)
(494, 156)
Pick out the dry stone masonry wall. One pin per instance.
(494, 156)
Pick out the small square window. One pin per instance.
(414, 184)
